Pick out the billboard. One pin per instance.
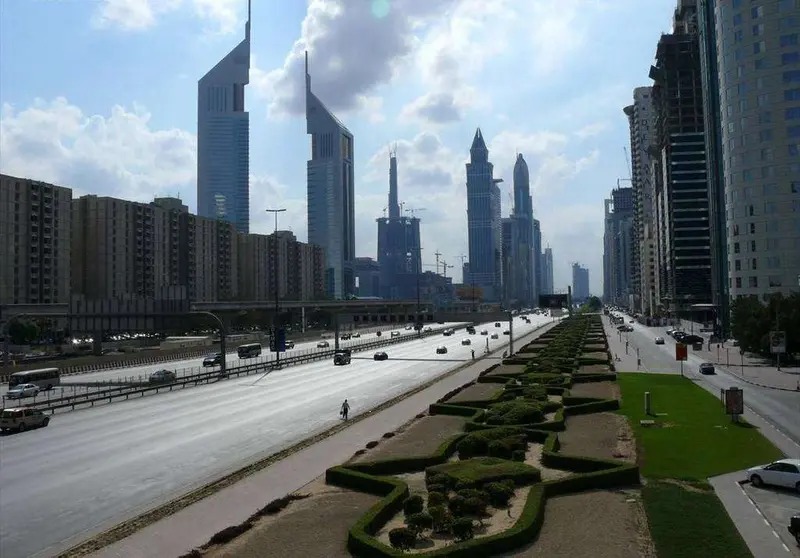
(553, 301)
(777, 342)
(681, 352)
(469, 292)
(734, 401)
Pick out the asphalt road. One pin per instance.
(781, 408)
(93, 467)
(777, 506)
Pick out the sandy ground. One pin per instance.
(504, 369)
(594, 369)
(592, 524)
(477, 392)
(288, 534)
(421, 437)
(602, 390)
(597, 355)
(533, 457)
(601, 435)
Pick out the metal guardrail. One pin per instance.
(90, 398)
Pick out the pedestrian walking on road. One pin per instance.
(473, 354)
(345, 409)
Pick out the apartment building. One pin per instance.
(34, 241)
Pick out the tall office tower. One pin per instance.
(618, 242)
(34, 241)
(519, 276)
(484, 223)
(399, 252)
(223, 138)
(580, 283)
(758, 65)
(537, 260)
(547, 271)
(641, 121)
(681, 189)
(331, 195)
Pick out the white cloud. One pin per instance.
(137, 15)
(592, 130)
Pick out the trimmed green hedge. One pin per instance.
(590, 378)
(400, 465)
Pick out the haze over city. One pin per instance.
(104, 102)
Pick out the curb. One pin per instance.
(765, 386)
(140, 521)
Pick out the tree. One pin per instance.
(592, 305)
(23, 332)
(752, 321)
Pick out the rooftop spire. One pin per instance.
(247, 25)
(477, 142)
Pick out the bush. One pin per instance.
(514, 412)
(402, 538)
(499, 493)
(413, 504)
(498, 448)
(442, 518)
(535, 393)
(456, 505)
(440, 479)
(468, 493)
(371, 444)
(545, 379)
(388, 435)
(463, 529)
(438, 489)
(419, 522)
(518, 455)
(477, 443)
(436, 499)
(479, 470)
(229, 533)
(475, 507)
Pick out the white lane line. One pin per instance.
(768, 524)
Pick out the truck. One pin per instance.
(342, 357)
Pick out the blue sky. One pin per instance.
(100, 96)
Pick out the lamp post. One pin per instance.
(277, 304)
(223, 365)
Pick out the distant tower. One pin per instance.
(394, 205)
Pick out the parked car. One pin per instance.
(380, 355)
(395, 334)
(22, 419)
(21, 391)
(466, 341)
(163, 376)
(342, 357)
(783, 472)
(214, 359)
(691, 339)
(707, 368)
(323, 345)
(471, 330)
(441, 350)
(659, 340)
(428, 329)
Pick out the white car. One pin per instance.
(323, 345)
(395, 334)
(659, 340)
(484, 332)
(466, 342)
(784, 472)
(356, 335)
(23, 390)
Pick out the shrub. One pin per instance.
(475, 507)
(456, 505)
(499, 493)
(535, 393)
(413, 504)
(438, 489)
(518, 455)
(463, 529)
(229, 533)
(514, 412)
(359, 452)
(402, 538)
(474, 493)
(479, 470)
(388, 435)
(436, 499)
(442, 518)
(371, 444)
(441, 479)
(477, 443)
(498, 448)
(419, 522)
(545, 379)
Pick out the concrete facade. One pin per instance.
(580, 283)
(35, 241)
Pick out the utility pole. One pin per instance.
(437, 254)
(277, 290)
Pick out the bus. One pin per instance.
(45, 378)
(250, 350)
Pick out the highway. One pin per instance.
(92, 468)
(781, 408)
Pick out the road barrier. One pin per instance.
(69, 403)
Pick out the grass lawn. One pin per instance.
(696, 440)
(688, 523)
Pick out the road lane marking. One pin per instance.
(768, 524)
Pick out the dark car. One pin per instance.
(794, 527)
(345, 336)
(213, 360)
(497, 324)
(707, 368)
(691, 339)
(380, 355)
(163, 377)
(342, 357)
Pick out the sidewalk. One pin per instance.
(191, 527)
(751, 369)
(625, 359)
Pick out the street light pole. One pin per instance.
(418, 265)
(277, 303)
(223, 366)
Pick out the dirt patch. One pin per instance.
(601, 390)
(421, 437)
(533, 457)
(592, 524)
(477, 392)
(594, 369)
(497, 522)
(601, 435)
(288, 534)
(505, 369)
(596, 355)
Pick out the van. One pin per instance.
(21, 419)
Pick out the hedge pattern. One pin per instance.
(559, 348)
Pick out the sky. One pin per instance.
(100, 96)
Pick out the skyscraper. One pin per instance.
(537, 260)
(547, 271)
(618, 242)
(518, 247)
(484, 223)
(223, 138)
(331, 195)
(399, 254)
(580, 283)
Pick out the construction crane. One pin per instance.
(384, 213)
(445, 267)
(438, 255)
(412, 210)
(463, 259)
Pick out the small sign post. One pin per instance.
(777, 345)
(734, 403)
(681, 354)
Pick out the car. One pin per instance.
(670, 331)
(507, 332)
(707, 368)
(342, 357)
(691, 339)
(783, 472)
(794, 527)
(395, 334)
(627, 328)
(162, 377)
(484, 332)
(497, 324)
(21, 419)
(23, 390)
(659, 340)
(428, 329)
(471, 330)
(345, 336)
(356, 335)
(380, 355)
(441, 350)
(495, 336)
(323, 345)
(466, 341)
(409, 328)
(289, 344)
(214, 359)
(447, 332)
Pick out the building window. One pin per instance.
(773, 262)
(770, 189)
(757, 12)
(773, 243)
(787, 23)
(738, 282)
(753, 246)
(771, 226)
(758, 29)
(775, 281)
(793, 131)
(736, 230)
(737, 19)
(764, 117)
(754, 264)
(737, 265)
(790, 58)
(796, 206)
(759, 47)
(791, 76)
(786, 5)
(736, 248)
(752, 228)
(770, 208)
(789, 40)
(763, 99)
(765, 135)
(753, 281)
(795, 187)
(767, 154)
